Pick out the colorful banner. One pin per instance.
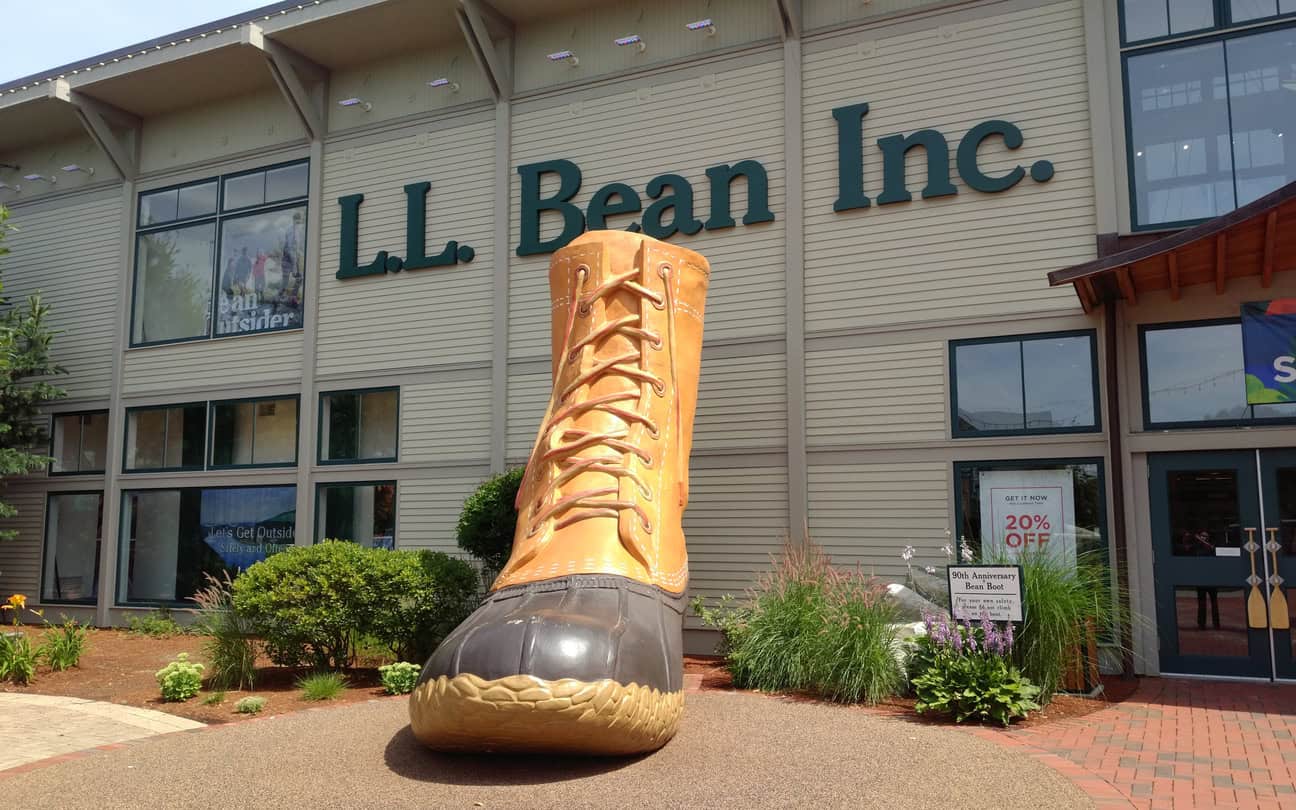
(1269, 350)
(1024, 510)
(245, 525)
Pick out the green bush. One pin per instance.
(17, 659)
(214, 698)
(399, 678)
(230, 645)
(180, 680)
(155, 624)
(965, 671)
(64, 645)
(313, 604)
(489, 518)
(811, 627)
(322, 685)
(1062, 602)
(250, 705)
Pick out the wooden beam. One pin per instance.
(1271, 236)
(472, 16)
(1126, 282)
(1087, 294)
(789, 15)
(1221, 260)
(291, 72)
(1172, 268)
(98, 118)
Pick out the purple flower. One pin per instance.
(1008, 638)
(957, 640)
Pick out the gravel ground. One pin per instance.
(733, 750)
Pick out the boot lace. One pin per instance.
(574, 451)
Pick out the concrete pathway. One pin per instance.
(37, 727)
(1177, 744)
(733, 750)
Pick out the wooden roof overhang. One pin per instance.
(1258, 239)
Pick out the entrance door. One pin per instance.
(1220, 607)
(1278, 491)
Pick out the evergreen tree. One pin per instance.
(25, 366)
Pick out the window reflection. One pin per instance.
(1038, 384)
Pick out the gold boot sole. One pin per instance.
(527, 714)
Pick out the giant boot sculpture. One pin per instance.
(578, 646)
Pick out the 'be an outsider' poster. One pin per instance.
(1269, 350)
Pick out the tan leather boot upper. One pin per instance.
(607, 481)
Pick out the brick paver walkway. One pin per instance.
(1177, 744)
(37, 727)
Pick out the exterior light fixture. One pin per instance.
(72, 167)
(4, 185)
(50, 180)
(444, 82)
(633, 39)
(703, 25)
(564, 56)
(356, 102)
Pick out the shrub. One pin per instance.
(180, 680)
(250, 705)
(964, 671)
(230, 646)
(155, 624)
(313, 604)
(435, 593)
(808, 626)
(489, 518)
(399, 678)
(1062, 602)
(64, 645)
(322, 685)
(17, 659)
(214, 699)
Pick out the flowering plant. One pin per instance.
(16, 603)
(964, 670)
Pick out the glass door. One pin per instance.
(1278, 492)
(1210, 570)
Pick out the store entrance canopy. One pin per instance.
(1258, 239)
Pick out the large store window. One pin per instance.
(359, 426)
(170, 438)
(1193, 376)
(1024, 384)
(1210, 116)
(1057, 505)
(221, 257)
(73, 534)
(79, 443)
(254, 432)
(171, 538)
(363, 513)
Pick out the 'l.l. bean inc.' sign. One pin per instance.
(671, 210)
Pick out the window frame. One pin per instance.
(126, 438)
(217, 218)
(210, 452)
(320, 486)
(1220, 33)
(54, 417)
(1223, 22)
(103, 502)
(119, 583)
(319, 433)
(1151, 426)
(957, 433)
(1038, 463)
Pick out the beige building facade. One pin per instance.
(303, 291)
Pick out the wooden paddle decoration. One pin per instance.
(1256, 618)
(1279, 619)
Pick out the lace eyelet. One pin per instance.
(647, 462)
(654, 432)
(655, 342)
(646, 494)
(647, 526)
(659, 388)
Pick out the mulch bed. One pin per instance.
(1062, 707)
(119, 666)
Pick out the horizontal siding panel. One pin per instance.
(234, 362)
(875, 395)
(742, 402)
(20, 558)
(731, 115)
(428, 511)
(865, 514)
(426, 317)
(975, 254)
(446, 422)
(528, 397)
(77, 278)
